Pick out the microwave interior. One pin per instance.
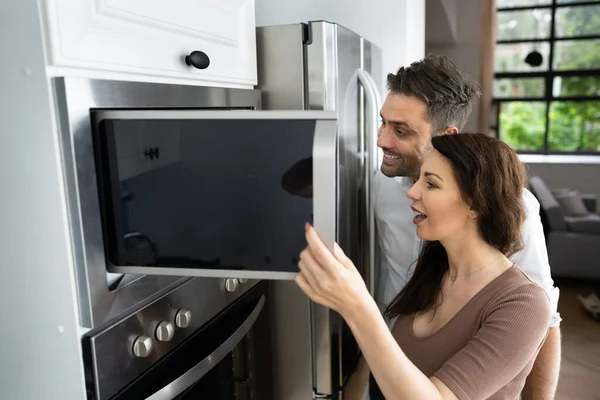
(209, 193)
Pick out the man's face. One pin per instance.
(404, 135)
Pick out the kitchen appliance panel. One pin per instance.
(282, 73)
(337, 78)
(232, 203)
(333, 61)
(181, 346)
(104, 296)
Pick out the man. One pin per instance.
(428, 98)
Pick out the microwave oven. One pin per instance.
(214, 193)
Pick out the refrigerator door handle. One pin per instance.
(371, 151)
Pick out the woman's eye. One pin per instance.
(430, 185)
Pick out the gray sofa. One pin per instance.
(572, 229)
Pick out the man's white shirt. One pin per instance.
(399, 244)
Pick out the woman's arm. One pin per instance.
(508, 339)
(396, 375)
(333, 281)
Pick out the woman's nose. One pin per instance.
(413, 192)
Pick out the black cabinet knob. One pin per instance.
(198, 59)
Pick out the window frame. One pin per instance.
(547, 75)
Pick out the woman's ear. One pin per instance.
(472, 213)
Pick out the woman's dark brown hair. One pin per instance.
(491, 179)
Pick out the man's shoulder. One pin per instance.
(531, 202)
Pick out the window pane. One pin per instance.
(522, 124)
(574, 126)
(578, 21)
(494, 110)
(576, 54)
(510, 57)
(524, 24)
(519, 87)
(576, 86)
(521, 3)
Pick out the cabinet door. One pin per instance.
(231, 198)
(153, 37)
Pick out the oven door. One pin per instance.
(214, 193)
(228, 357)
(218, 362)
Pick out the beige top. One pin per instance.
(488, 348)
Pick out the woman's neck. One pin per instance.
(469, 255)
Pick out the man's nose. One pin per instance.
(384, 138)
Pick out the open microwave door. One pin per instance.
(214, 193)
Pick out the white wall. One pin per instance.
(465, 51)
(396, 26)
(40, 356)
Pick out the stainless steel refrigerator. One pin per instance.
(324, 66)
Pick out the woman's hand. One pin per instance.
(331, 279)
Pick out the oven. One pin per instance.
(104, 295)
(172, 184)
(186, 346)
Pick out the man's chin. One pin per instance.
(392, 171)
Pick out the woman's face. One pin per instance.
(440, 211)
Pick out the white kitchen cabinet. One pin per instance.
(153, 37)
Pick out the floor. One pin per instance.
(580, 368)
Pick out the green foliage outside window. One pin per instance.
(574, 126)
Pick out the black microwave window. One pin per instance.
(214, 194)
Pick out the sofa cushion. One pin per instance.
(571, 203)
(587, 224)
(554, 217)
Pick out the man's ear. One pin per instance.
(450, 130)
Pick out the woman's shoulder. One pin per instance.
(514, 289)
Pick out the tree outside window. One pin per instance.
(547, 75)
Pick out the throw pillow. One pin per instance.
(571, 203)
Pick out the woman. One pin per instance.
(468, 323)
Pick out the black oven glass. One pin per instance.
(214, 194)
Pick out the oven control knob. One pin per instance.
(183, 318)
(242, 280)
(230, 284)
(142, 346)
(165, 331)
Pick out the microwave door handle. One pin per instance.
(374, 103)
(196, 373)
(325, 171)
